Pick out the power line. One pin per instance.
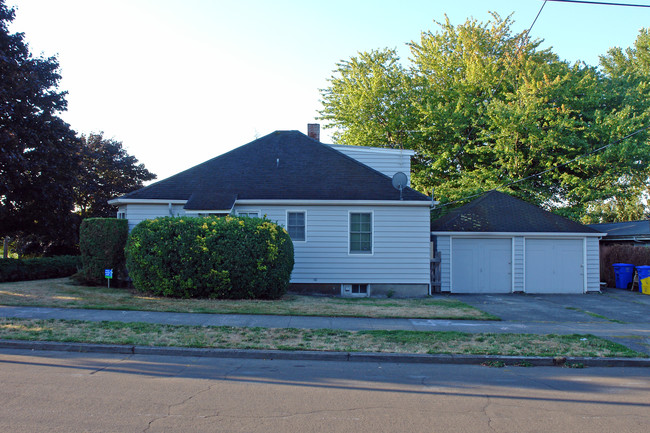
(600, 3)
(552, 168)
(503, 72)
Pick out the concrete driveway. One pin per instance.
(612, 305)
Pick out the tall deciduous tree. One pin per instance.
(483, 108)
(107, 171)
(38, 151)
(628, 75)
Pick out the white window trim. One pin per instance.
(258, 212)
(286, 216)
(372, 232)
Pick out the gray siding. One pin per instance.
(593, 264)
(401, 249)
(444, 246)
(137, 213)
(386, 161)
(518, 264)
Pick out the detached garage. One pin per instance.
(500, 244)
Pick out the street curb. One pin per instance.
(399, 358)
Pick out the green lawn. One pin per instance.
(146, 334)
(62, 292)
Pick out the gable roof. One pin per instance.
(282, 165)
(499, 212)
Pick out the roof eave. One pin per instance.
(508, 234)
(121, 200)
(292, 202)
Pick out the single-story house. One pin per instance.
(500, 244)
(625, 233)
(354, 233)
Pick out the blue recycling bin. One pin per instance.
(624, 275)
(644, 279)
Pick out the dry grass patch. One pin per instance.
(146, 334)
(62, 292)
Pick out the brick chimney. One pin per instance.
(313, 131)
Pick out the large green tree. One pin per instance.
(46, 171)
(485, 108)
(627, 72)
(38, 151)
(107, 171)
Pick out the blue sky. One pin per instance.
(181, 82)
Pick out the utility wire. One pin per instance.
(525, 37)
(552, 168)
(503, 72)
(581, 156)
(600, 3)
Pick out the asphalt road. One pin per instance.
(72, 392)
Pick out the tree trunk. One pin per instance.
(5, 247)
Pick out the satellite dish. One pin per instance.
(399, 182)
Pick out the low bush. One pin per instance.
(223, 258)
(38, 268)
(610, 254)
(102, 242)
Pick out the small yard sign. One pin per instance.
(108, 273)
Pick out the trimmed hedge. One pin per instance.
(38, 268)
(102, 241)
(223, 258)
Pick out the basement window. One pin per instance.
(354, 290)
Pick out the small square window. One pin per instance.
(359, 289)
(121, 215)
(296, 225)
(249, 214)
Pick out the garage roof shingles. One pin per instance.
(499, 212)
(281, 165)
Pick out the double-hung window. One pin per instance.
(360, 233)
(296, 225)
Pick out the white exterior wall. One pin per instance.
(137, 213)
(518, 264)
(386, 161)
(444, 246)
(593, 264)
(591, 259)
(401, 247)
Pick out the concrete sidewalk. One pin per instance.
(602, 328)
(617, 315)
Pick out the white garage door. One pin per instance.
(481, 265)
(554, 266)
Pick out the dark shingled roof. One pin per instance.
(629, 229)
(281, 165)
(499, 212)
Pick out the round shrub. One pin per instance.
(223, 258)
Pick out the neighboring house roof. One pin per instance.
(630, 230)
(284, 165)
(499, 212)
